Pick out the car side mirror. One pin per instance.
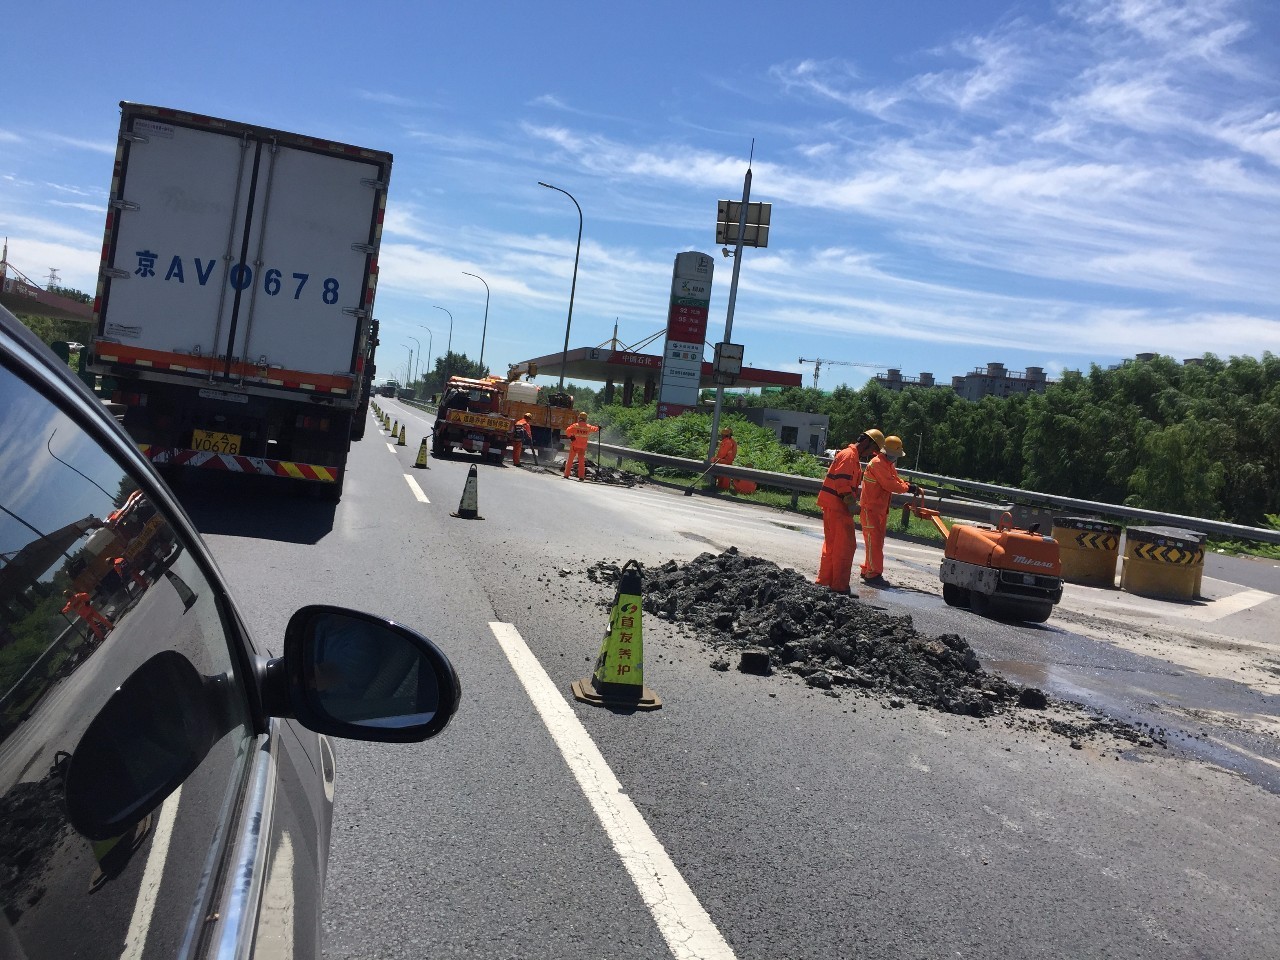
(354, 675)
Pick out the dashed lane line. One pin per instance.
(417, 490)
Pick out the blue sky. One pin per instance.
(1040, 184)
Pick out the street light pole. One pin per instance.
(564, 356)
(448, 350)
(409, 374)
(430, 348)
(485, 328)
(413, 378)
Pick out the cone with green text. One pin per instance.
(618, 678)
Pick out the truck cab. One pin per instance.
(470, 416)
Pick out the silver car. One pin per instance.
(166, 786)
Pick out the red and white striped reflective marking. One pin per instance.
(235, 463)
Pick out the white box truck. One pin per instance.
(234, 310)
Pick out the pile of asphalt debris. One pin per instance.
(596, 473)
(775, 619)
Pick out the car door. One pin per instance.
(144, 811)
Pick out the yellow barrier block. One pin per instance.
(1163, 562)
(1089, 550)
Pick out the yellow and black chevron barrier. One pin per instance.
(1089, 549)
(1163, 562)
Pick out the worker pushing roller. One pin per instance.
(840, 491)
(879, 483)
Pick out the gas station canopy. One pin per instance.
(603, 364)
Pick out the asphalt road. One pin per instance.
(798, 824)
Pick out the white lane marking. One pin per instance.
(686, 926)
(152, 874)
(391, 448)
(1246, 599)
(417, 490)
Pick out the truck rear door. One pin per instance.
(250, 253)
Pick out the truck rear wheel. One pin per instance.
(955, 596)
(979, 603)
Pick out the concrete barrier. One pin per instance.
(1163, 562)
(1089, 550)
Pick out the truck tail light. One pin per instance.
(129, 399)
(312, 423)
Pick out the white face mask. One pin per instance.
(891, 457)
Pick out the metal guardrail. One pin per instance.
(1026, 506)
(949, 506)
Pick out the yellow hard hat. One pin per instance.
(582, 416)
(893, 447)
(875, 436)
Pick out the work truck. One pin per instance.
(479, 415)
(234, 309)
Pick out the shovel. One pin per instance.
(693, 486)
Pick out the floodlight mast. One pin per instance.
(733, 298)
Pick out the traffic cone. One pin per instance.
(618, 678)
(395, 428)
(400, 442)
(422, 455)
(469, 506)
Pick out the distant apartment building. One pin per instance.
(996, 381)
(802, 431)
(892, 379)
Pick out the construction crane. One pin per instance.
(818, 362)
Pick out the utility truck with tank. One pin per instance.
(234, 311)
(479, 415)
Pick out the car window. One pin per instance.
(124, 723)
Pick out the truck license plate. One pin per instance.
(476, 437)
(215, 442)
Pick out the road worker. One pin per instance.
(879, 483)
(726, 453)
(579, 434)
(839, 493)
(125, 571)
(523, 434)
(80, 605)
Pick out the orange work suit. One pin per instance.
(879, 484)
(726, 453)
(839, 541)
(523, 432)
(124, 570)
(579, 434)
(79, 605)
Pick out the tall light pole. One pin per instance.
(448, 350)
(485, 328)
(430, 347)
(409, 377)
(412, 378)
(564, 356)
